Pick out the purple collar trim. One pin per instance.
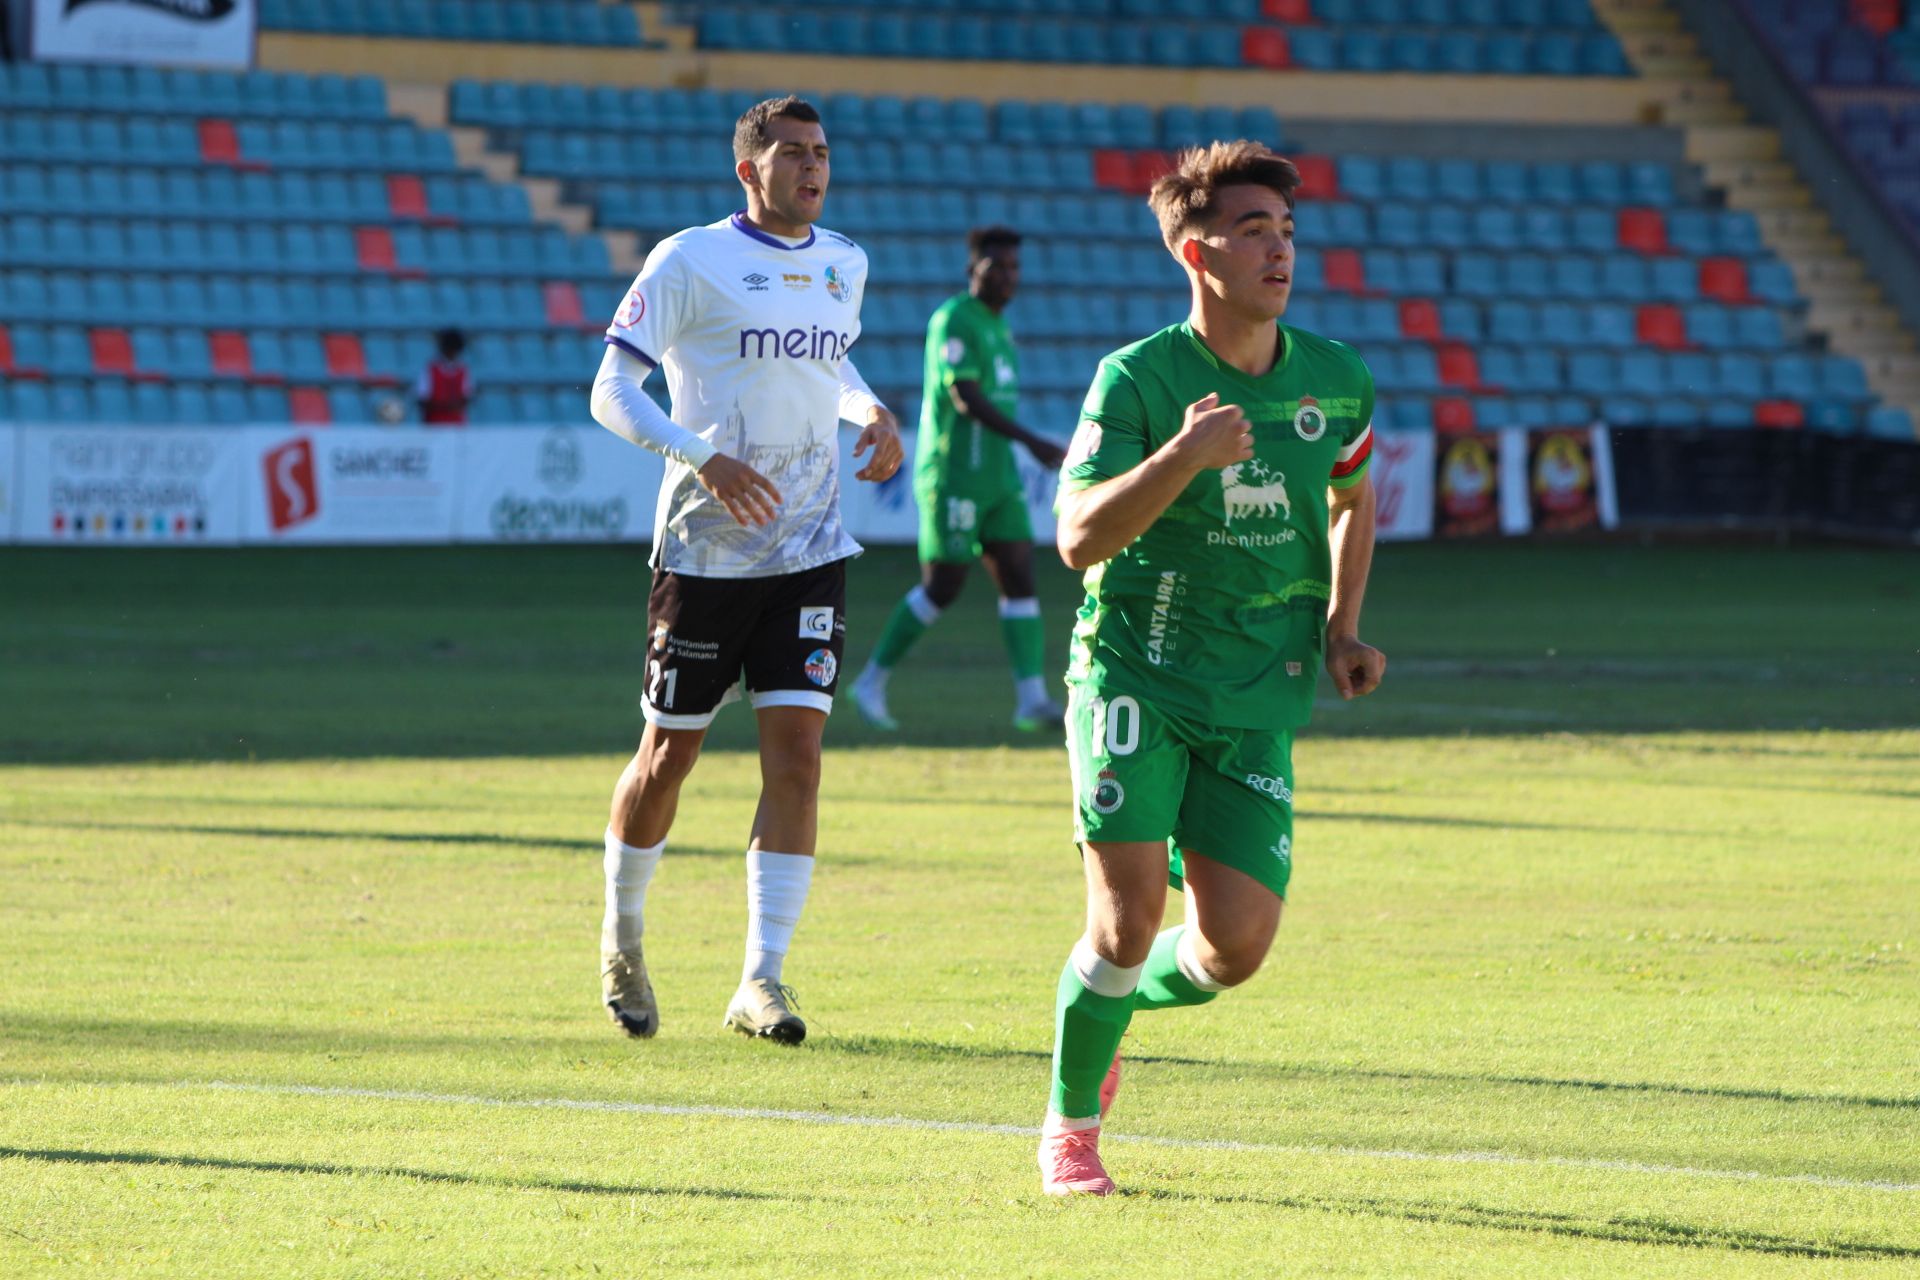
(746, 228)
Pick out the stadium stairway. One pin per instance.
(1745, 163)
(426, 105)
(1495, 318)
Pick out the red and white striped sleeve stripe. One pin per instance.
(1352, 460)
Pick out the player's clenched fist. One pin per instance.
(748, 495)
(1215, 435)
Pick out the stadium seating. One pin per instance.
(1518, 37)
(187, 245)
(568, 22)
(1482, 292)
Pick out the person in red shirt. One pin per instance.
(445, 388)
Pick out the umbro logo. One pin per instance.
(756, 283)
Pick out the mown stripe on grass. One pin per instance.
(1030, 1131)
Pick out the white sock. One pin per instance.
(1030, 690)
(923, 606)
(1188, 962)
(777, 886)
(1100, 975)
(628, 870)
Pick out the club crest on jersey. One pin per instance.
(1108, 794)
(632, 309)
(1309, 420)
(838, 287)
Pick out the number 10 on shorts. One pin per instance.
(1116, 721)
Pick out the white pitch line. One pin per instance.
(1020, 1131)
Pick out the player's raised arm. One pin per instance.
(1098, 521)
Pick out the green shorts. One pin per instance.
(1140, 773)
(955, 520)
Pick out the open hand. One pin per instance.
(883, 437)
(749, 496)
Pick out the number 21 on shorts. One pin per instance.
(1116, 721)
(660, 682)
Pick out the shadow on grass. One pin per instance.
(1623, 1229)
(928, 1049)
(59, 1156)
(579, 848)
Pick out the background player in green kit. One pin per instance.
(972, 504)
(1217, 495)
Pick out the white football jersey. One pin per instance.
(752, 333)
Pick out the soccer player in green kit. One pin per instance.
(1217, 497)
(972, 504)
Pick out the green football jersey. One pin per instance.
(1218, 611)
(966, 341)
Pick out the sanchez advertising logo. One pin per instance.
(192, 10)
(292, 496)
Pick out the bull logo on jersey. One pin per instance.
(1249, 489)
(1309, 420)
(839, 288)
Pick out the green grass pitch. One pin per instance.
(1600, 960)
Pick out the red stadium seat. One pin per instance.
(563, 305)
(219, 144)
(374, 247)
(406, 196)
(112, 351)
(1724, 280)
(1265, 47)
(1662, 325)
(232, 357)
(1453, 414)
(1319, 179)
(309, 405)
(7, 366)
(1785, 415)
(1881, 17)
(1419, 320)
(1342, 270)
(1149, 167)
(345, 357)
(1459, 366)
(1113, 169)
(1298, 13)
(1643, 230)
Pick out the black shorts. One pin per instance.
(785, 633)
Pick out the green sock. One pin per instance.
(1087, 1030)
(1025, 637)
(1162, 985)
(902, 629)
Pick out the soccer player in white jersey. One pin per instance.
(751, 318)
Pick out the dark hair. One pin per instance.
(1185, 198)
(451, 343)
(982, 241)
(750, 136)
